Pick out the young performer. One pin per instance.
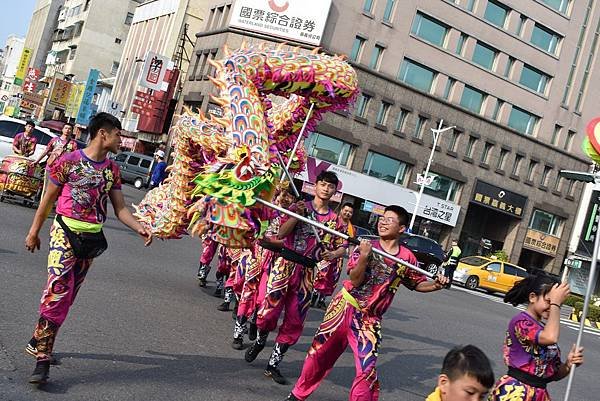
(290, 282)
(82, 181)
(531, 349)
(355, 313)
(466, 376)
(209, 249)
(24, 143)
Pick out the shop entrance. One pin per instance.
(532, 260)
(484, 230)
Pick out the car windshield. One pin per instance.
(474, 260)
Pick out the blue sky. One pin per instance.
(14, 18)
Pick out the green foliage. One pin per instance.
(572, 300)
(500, 255)
(593, 312)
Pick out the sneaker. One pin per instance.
(322, 305)
(31, 349)
(253, 351)
(291, 397)
(201, 282)
(238, 343)
(40, 373)
(218, 292)
(224, 307)
(276, 375)
(252, 330)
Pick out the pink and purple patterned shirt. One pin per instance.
(85, 186)
(25, 145)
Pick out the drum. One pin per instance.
(21, 176)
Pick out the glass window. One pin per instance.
(429, 29)
(484, 55)
(388, 13)
(385, 168)
(357, 48)
(485, 155)
(502, 159)
(368, 5)
(470, 5)
(417, 75)
(448, 89)
(521, 24)
(545, 222)
(522, 273)
(497, 109)
(558, 183)
(474, 261)
(376, 57)
(569, 140)
(329, 149)
(42, 137)
(562, 6)
(545, 175)
(522, 121)
(470, 146)
(555, 134)
(509, 66)
(383, 112)
(494, 267)
(545, 38)
(401, 120)
(145, 163)
(517, 165)
(9, 129)
(571, 188)
(531, 169)
(454, 140)
(472, 99)
(362, 105)
(534, 79)
(121, 157)
(128, 18)
(442, 187)
(461, 44)
(133, 160)
(419, 127)
(510, 270)
(496, 13)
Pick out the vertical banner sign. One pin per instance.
(85, 108)
(59, 96)
(74, 100)
(22, 67)
(153, 73)
(31, 81)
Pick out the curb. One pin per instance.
(576, 317)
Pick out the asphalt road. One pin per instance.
(141, 329)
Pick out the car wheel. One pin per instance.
(472, 282)
(432, 268)
(138, 183)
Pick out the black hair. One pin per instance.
(400, 212)
(291, 189)
(539, 284)
(468, 360)
(102, 120)
(30, 122)
(349, 204)
(328, 176)
(69, 124)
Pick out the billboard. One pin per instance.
(299, 20)
(153, 73)
(61, 90)
(22, 67)
(85, 107)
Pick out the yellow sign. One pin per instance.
(23, 64)
(74, 100)
(61, 90)
(541, 242)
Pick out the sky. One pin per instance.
(14, 18)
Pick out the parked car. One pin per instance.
(136, 168)
(361, 231)
(428, 252)
(488, 273)
(9, 127)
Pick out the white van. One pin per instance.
(9, 127)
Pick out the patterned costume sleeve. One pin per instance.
(59, 171)
(527, 332)
(410, 277)
(17, 141)
(353, 259)
(116, 186)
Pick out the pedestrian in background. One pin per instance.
(55, 149)
(452, 257)
(24, 143)
(82, 182)
(159, 172)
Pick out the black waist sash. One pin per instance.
(526, 378)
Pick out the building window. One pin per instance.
(517, 165)
(429, 29)
(114, 68)
(545, 176)
(496, 13)
(522, 121)
(363, 105)
(484, 55)
(534, 79)
(442, 187)
(470, 147)
(454, 140)
(569, 140)
(376, 57)
(531, 170)
(450, 83)
(485, 155)
(502, 159)
(401, 120)
(509, 66)
(472, 99)
(571, 188)
(420, 127)
(562, 6)
(329, 149)
(72, 53)
(555, 135)
(368, 6)
(129, 19)
(545, 38)
(357, 48)
(522, 20)
(87, 5)
(385, 168)
(462, 39)
(118, 41)
(388, 13)
(545, 222)
(417, 75)
(497, 110)
(383, 112)
(558, 183)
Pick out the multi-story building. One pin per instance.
(163, 27)
(40, 33)
(12, 55)
(514, 78)
(90, 34)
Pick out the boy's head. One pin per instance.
(466, 375)
(67, 130)
(287, 196)
(106, 129)
(29, 126)
(393, 222)
(326, 185)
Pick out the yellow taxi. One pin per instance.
(488, 273)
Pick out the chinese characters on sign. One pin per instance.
(441, 211)
(22, 67)
(85, 108)
(61, 90)
(499, 199)
(31, 80)
(303, 21)
(153, 73)
(541, 242)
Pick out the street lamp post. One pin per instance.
(436, 134)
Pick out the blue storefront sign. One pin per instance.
(85, 109)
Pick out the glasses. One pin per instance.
(387, 220)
